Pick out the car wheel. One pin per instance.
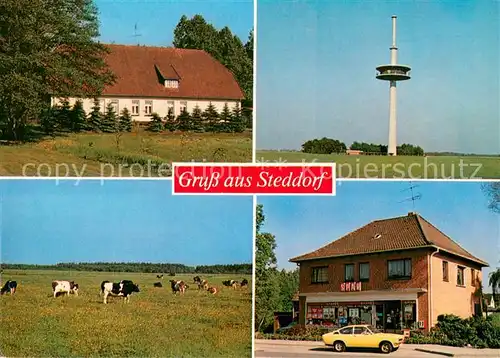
(339, 346)
(386, 347)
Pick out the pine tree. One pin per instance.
(196, 119)
(77, 117)
(48, 120)
(109, 122)
(170, 121)
(184, 121)
(225, 120)
(210, 117)
(156, 123)
(125, 121)
(64, 115)
(237, 121)
(95, 117)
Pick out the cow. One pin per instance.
(157, 284)
(64, 287)
(171, 274)
(10, 286)
(160, 277)
(203, 284)
(244, 282)
(178, 286)
(124, 288)
(230, 283)
(197, 279)
(212, 290)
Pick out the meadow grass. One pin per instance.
(95, 154)
(410, 167)
(155, 323)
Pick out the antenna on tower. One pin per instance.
(136, 34)
(414, 196)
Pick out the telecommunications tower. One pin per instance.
(393, 73)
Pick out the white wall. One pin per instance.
(160, 106)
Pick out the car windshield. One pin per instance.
(374, 330)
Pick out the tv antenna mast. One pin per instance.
(136, 34)
(414, 196)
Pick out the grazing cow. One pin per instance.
(244, 282)
(178, 286)
(171, 274)
(212, 290)
(124, 288)
(159, 277)
(64, 287)
(203, 284)
(197, 279)
(230, 283)
(10, 286)
(157, 284)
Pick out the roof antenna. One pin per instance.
(414, 196)
(136, 34)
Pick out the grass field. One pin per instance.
(109, 155)
(154, 324)
(435, 167)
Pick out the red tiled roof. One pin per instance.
(140, 70)
(400, 233)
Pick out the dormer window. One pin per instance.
(171, 83)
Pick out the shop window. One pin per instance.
(349, 272)
(460, 276)
(445, 271)
(319, 274)
(399, 269)
(364, 271)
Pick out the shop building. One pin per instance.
(394, 274)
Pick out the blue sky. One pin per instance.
(156, 20)
(303, 224)
(316, 73)
(45, 223)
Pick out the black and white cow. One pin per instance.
(124, 288)
(203, 285)
(197, 279)
(159, 277)
(244, 282)
(178, 287)
(64, 287)
(157, 284)
(10, 286)
(230, 283)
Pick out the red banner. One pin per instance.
(249, 179)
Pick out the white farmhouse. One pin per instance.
(156, 79)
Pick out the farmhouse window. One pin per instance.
(349, 272)
(364, 271)
(460, 276)
(170, 107)
(183, 106)
(399, 269)
(114, 105)
(171, 83)
(319, 274)
(135, 107)
(473, 277)
(148, 108)
(445, 271)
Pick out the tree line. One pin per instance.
(274, 289)
(64, 118)
(330, 146)
(48, 51)
(143, 267)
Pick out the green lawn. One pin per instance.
(138, 153)
(154, 324)
(365, 166)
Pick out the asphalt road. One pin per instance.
(268, 349)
